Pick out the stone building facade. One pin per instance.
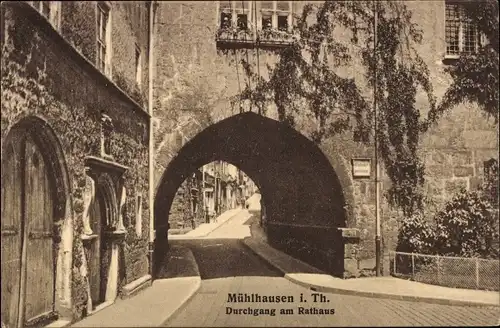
(211, 190)
(189, 40)
(75, 128)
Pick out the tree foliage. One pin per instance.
(306, 82)
(475, 75)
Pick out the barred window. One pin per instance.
(461, 34)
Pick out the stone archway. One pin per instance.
(305, 199)
(35, 186)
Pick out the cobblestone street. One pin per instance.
(228, 267)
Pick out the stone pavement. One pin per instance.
(152, 306)
(380, 287)
(228, 267)
(206, 228)
(178, 299)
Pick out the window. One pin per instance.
(234, 13)
(461, 34)
(103, 38)
(50, 10)
(138, 66)
(275, 15)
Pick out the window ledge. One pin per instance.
(450, 59)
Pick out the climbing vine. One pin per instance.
(306, 81)
(78, 27)
(475, 75)
(29, 87)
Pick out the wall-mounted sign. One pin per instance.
(361, 168)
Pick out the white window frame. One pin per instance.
(236, 8)
(478, 41)
(104, 6)
(138, 66)
(54, 11)
(274, 12)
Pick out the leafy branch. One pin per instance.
(306, 81)
(475, 75)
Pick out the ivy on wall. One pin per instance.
(305, 82)
(78, 26)
(28, 88)
(130, 87)
(475, 76)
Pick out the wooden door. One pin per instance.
(105, 247)
(95, 252)
(38, 234)
(28, 264)
(11, 232)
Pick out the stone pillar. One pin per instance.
(88, 198)
(121, 208)
(351, 239)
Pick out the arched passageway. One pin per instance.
(301, 191)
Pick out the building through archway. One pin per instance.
(304, 199)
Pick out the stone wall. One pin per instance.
(181, 209)
(453, 150)
(45, 77)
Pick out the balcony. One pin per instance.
(274, 38)
(233, 38)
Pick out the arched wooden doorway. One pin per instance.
(29, 238)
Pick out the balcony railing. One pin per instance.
(235, 37)
(274, 38)
(246, 38)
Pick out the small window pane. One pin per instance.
(282, 23)
(267, 21)
(242, 22)
(225, 20)
(469, 37)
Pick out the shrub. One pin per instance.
(466, 226)
(416, 235)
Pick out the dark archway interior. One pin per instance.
(301, 191)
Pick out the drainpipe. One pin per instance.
(378, 246)
(151, 140)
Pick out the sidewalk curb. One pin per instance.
(192, 293)
(223, 223)
(184, 302)
(184, 237)
(265, 259)
(345, 291)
